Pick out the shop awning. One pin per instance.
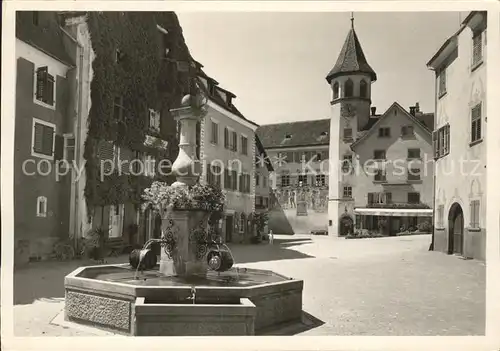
(394, 212)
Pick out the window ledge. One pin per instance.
(414, 181)
(439, 228)
(442, 94)
(45, 157)
(407, 136)
(476, 66)
(476, 230)
(473, 143)
(43, 104)
(380, 181)
(414, 159)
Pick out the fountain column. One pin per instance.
(184, 259)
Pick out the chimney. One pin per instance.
(417, 107)
(374, 109)
(412, 110)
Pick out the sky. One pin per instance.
(276, 62)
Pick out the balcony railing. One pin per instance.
(398, 205)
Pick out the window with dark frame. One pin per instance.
(244, 145)
(234, 146)
(476, 123)
(320, 180)
(226, 138)
(285, 180)
(347, 133)
(413, 154)
(384, 132)
(407, 131)
(380, 176)
(335, 90)
(379, 154)
(347, 192)
(413, 174)
(347, 163)
(45, 84)
(363, 88)
(348, 88)
(413, 198)
(303, 179)
(214, 139)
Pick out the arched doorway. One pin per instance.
(455, 229)
(346, 225)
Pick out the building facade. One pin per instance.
(365, 192)
(43, 135)
(263, 171)
(298, 152)
(459, 135)
(92, 124)
(227, 152)
(388, 175)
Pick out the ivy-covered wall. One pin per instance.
(143, 78)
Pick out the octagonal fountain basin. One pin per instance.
(240, 301)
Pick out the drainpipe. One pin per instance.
(76, 216)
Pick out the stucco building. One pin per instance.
(45, 134)
(298, 152)
(366, 188)
(227, 151)
(459, 135)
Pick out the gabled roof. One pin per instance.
(47, 36)
(295, 134)
(421, 123)
(351, 59)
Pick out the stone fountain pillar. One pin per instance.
(186, 257)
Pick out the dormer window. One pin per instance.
(288, 136)
(348, 88)
(211, 89)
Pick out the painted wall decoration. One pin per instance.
(316, 198)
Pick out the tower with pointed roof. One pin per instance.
(350, 80)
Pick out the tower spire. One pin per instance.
(352, 20)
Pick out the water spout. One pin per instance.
(193, 295)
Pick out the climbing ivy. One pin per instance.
(143, 79)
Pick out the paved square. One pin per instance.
(384, 286)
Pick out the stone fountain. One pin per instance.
(194, 290)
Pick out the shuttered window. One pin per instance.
(441, 141)
(477, 50)
(234, 180)
(476, 123)
(226, 138)
(43, 139)
(474, 214)
(244, 145)
(44, 86)
(234, 145)
(215, 133)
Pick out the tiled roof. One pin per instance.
(216, 98)
(47, 36)
(427, 119)
(293, 134)
(351, 59)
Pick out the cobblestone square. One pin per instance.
(384, 286)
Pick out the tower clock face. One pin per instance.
(348, 110)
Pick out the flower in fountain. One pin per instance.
(161, 196)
